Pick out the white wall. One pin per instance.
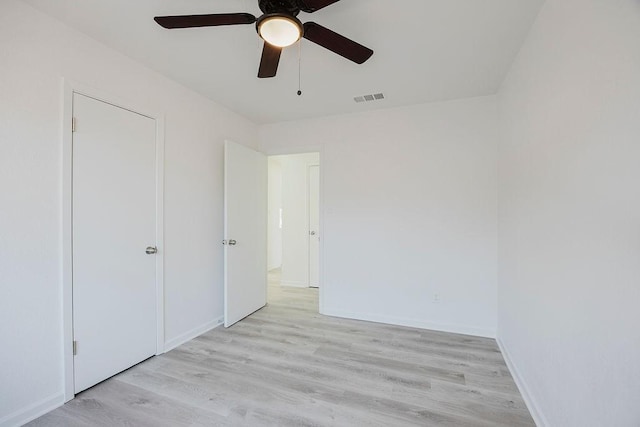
(295, 217)
(570, 214)
(35, 52)
(274, 232)
(410, 200)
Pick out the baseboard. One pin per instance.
(293, 284)
(529, 400)
(33, 411)
(413, 323)
(193, 333)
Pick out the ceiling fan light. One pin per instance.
(280, 30)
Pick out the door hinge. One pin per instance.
(73, 124)
(75, 348)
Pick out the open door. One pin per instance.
(245, 232)
(314, 225)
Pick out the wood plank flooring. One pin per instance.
(286, 365)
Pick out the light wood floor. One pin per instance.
(286, 365)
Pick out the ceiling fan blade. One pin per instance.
(311, 6)
(336, 43)
(213, 20)
(269, 61)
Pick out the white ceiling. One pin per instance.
(425, 50)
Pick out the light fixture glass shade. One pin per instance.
(280, 31)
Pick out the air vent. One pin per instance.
(369, 98)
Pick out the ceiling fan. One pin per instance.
(279, 28)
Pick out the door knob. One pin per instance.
(232, 242)
(313, 233)
(151, 250)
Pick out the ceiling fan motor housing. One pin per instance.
(287, 7)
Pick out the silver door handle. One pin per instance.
(151, 250)
(232, 242)
(313, 233)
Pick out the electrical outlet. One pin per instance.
(436, 298)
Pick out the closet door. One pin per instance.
(114, 240)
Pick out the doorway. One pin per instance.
(293, 226)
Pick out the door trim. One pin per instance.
(69, 87)
(322, 286)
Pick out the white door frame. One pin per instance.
(303, 150)
(69, 88)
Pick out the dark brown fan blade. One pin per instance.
(214, 20)
(336, 43)
(269, 61)
(311, 6)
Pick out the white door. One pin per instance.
(314, 226)
(245, 231)
(114, 221)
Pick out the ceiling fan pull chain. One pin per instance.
(299, 66)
